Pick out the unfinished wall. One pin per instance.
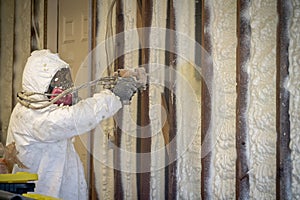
(157, 112)
(18, 39)
(7, 41)
(225, 41)
(262, 107)
(294, 88)
(259, 92)
(104, 175)
(188, 104)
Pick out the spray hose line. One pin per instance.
(25, 99)
(138, 75)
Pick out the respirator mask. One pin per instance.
(62, 81)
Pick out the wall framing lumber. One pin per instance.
(284, 163)
(242, 140)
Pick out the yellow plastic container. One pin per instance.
(24, 177)
(19, 177)
(39, 196)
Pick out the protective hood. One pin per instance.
(39, 70)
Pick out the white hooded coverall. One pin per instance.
(43, 137)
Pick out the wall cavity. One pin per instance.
(128, 139)
(262, 107)
(6, 70)
(294, 89)
(157, 112)
(224, 43)
(103, 135)
(188, 107)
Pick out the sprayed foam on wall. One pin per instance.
(128, 139)
(157, 181)
(262, 106)
(224, 58)
(294, 89)
(188, 108)
(104, 175)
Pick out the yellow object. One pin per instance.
(19, 177)
(39, 196)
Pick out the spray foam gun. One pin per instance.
(138, 75)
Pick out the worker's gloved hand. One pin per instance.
(125, 89)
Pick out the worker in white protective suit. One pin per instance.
(43, 137)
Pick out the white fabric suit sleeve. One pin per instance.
(66, 122)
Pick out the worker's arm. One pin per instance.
(68, 121)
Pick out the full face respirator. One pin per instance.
(62, 81)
